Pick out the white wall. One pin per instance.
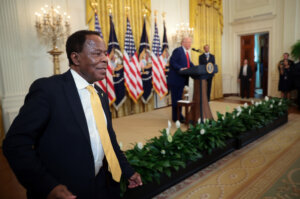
(23, 58)
(278, 17)
(177, 11)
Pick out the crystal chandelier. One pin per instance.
(183, 30)
(52, 29)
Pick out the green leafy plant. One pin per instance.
(232, 124)
(168, 153)
(296, 50)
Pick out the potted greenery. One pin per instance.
(274, 113)
(296, 50)
(165, 160)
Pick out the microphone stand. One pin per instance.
(197, 50)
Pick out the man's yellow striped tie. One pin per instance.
(109, 152)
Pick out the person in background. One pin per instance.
(180, 60)
(205, 58)
(62, 143)
(281, 81)
(285, 57)
(285, 79)
(245, 77)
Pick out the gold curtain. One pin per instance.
(206, 17)
(135, 15)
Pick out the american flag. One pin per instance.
(133, 80)
(107, 84)
(97, 25)
(110, 89)
(159, 78)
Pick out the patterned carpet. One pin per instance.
(288, 185)
(269, 168)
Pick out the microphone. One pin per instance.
(196, 50)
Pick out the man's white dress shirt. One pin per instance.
(85, 98)
(207, 56)
(245, 70)
(187, 51)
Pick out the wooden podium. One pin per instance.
(200, 105)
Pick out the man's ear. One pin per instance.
(75, 58)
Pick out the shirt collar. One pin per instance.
(80, 82)
(206, 53)
(185, 50)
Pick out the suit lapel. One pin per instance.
(75, 103)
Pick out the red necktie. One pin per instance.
(188, 59)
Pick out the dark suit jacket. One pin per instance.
(249, 72)
(296, 75)
(203, 61)
(177, 61)
(49, 144)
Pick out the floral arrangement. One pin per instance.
(170, 152)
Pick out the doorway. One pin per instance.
(255, 48)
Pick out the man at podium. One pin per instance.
(205, 58)
(180, 59)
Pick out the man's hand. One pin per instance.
(135, 180)
(239, 80)
(60, 192)
(250, 80)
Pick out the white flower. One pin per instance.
(249, 111)
(167, 131)
(238, 114)
(169, 138)
(267, 98)
(169, 124)
(177, 124)
(279, 103)
(223, 118)
(252, 101)
(204, 120)
(273, 101)
(163, 152)
(245, 105)
(233, 117)
(199, 121)
(140, 145)
(239, 109)
(271, 106)
(202, 131)
(121, 145)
